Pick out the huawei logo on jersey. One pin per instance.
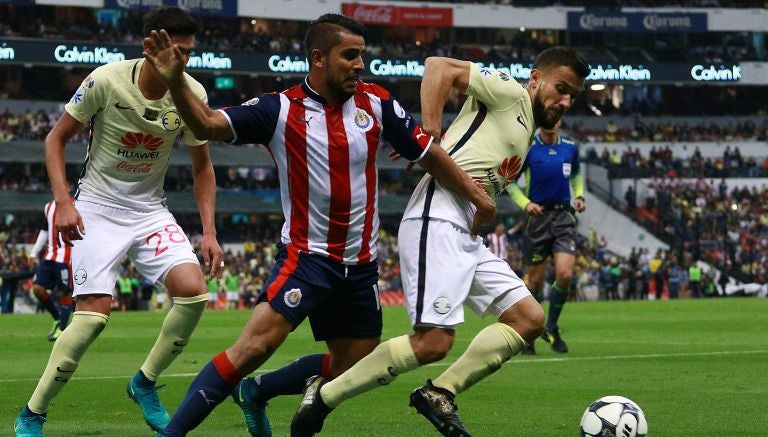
(509, 169)
(132, 140)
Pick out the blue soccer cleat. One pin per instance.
(145, 395)
(29, 424)
(246, 395)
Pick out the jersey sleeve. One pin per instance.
(187, 137)
(496, 89)
(401, 130)
(90, 97)
(255, 121)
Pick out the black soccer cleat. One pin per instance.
(553, 337)
(438, 406)
(528, 349)
(312, 411)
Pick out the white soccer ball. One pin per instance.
(613, 416)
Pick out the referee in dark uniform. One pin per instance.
(551, 172)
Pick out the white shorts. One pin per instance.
(233, 296)
(153, 241)
(442, 268)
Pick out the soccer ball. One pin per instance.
(613, 416)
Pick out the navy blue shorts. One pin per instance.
(54, 276)
(341, 301)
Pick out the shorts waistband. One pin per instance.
(557, 207)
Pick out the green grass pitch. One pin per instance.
(696, 367)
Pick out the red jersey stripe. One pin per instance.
(296, 153)
(371, 181)
(341, 195)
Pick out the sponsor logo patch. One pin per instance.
(77, 97)
(252, 102)
(132, 140)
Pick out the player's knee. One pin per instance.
(564, 280)
(433, 346)
(528, 321)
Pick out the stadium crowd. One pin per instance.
(678, 161)
(727, 228)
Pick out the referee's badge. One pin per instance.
(362, 120)
(566, 169)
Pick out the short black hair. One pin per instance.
(175, 21)
(557, 56)
(323, 33)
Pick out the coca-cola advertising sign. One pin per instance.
(385, 15)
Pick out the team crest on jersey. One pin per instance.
(363, 121)
(254, 101)
(566, 169)
(292, 297)
(171, 120)
(503, 76)
(80, 276)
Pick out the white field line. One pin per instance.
(448, 363)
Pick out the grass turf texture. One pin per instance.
(696, 367)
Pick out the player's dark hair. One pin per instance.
(557, 56)
(175, 21)
(323, 33)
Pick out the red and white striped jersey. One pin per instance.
(55, 252)
(497, 244)
(326, 160)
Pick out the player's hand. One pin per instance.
(580, 205)
(67, 225)
(534, 208)
(486, 212)
(165, 56)
(213, 256)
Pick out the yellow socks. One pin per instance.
(174, 335)
(490, 348)
(65, 357)
(380, 367)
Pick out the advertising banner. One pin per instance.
(386, 15)
(89, 55)
(663, 22)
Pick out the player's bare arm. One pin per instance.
(68, 225)
(437, 163)
(205, 194)
(169, 61)
(440, 75)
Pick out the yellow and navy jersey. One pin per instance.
(488, 139)
(551, 171)
(131, 137)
